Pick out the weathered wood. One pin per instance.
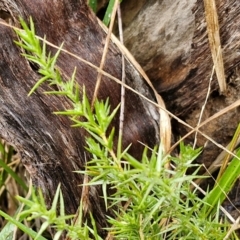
(49, 148)
(169, 39)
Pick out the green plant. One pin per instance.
(149, 200)
(226, 181)
(93, 4)
(11, 183)
(107, 16)
(6, 156)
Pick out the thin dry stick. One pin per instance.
(105, 50)
(217, 162)
(206, 99)
(110, 236)
(165, 131)
(141, 234)
(122, 107)
(218, 114)
(214, 41)
(6, 181)
(234, 227)
(204, 106)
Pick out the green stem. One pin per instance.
(225, 184)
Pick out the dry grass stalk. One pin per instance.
(216, 115)
(105, 50)
(164, 124)
(214, 41)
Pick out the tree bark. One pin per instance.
(169, 39)
(50, 149)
